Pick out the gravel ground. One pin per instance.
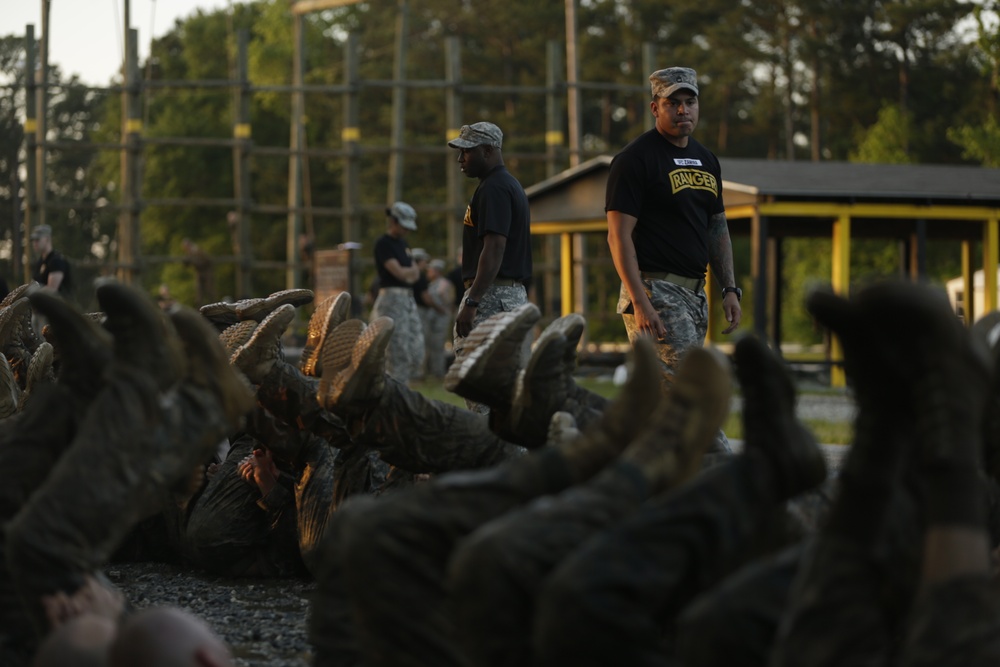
(264, 620)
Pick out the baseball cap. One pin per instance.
(664, 82)
(404, 215)
(419, 254)
(478, 134)
(438, 264)
(40, 231)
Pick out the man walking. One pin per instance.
(496, 243)
(666, 222)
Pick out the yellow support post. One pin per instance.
(991, 258)
(566, 272)
(841, 285)
(968, 285)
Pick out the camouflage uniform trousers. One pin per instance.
(598, 574)
(405, 355)
(435, 334)
(233, 530)
(498, 299)
(393, 609)
(853, 597)
(684, 313)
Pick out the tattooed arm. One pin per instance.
(720, 258)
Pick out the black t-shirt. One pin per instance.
(499, 206)
(672, 192)
(54, 262)
(388, 247)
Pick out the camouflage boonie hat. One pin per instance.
(404, 215)
(665, 82)
(478, 134)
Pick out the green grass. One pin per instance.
(827, 432)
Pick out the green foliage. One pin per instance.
(980, 143)
(873, 76)
(887, 141)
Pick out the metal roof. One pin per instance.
(848, 181)
(916, 183)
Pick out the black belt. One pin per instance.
(693, 284)
(498, 282)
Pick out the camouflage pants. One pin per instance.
(405, 355)
(955, 624)
(684, 313)
(509, 560)
(498, 299)
(735, 623)
(614, 600)
(420, 435)
(435, 335)
(393, 607)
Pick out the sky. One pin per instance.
(87, 35)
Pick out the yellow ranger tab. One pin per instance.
(682, 179)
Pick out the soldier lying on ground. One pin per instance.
(138, 403)
(472, 569)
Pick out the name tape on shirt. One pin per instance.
(687, 162)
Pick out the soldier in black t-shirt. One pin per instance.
(50, 270)
(666, 222)
(496, 239)
(397, 273)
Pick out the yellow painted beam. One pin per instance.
(991, 258)
(801, 209)
(569, 226)
(566, 272)
(841, 285)
(833, 210)
(968, 285)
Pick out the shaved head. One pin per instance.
(168, 637)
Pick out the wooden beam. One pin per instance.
(306, 6)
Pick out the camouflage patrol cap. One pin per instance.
(478, 134)
(665, 82)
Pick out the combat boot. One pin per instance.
(143, 335)
(544, 385)
(258, 309)
(236, 336)
(39, 372)
(327, 316)
(680, 431)
(623, 419)
(770, 425)
(10, 393)
(83, 347)
(257, 356)
(487, 370)
(362, 381)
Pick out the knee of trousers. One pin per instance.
(364, 533)
(560, 617)
(476, 568)
(32, 561)
(710, 634)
